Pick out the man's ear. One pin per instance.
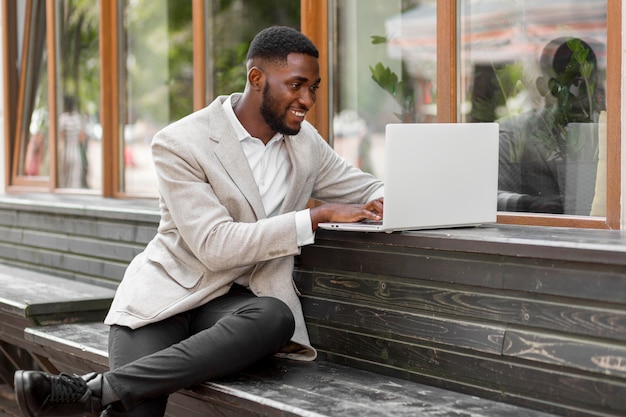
(256, 77)
(543, 85)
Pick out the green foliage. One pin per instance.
(161, 32)
(492, 101)
(230, 71)
(399, 89)
(568, 108)
(79, 61)
(234, 23)
(159, 60)
(508, 82)
(376, 40)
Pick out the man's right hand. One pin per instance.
(336, 212)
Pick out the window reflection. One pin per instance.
(228, 46)
(79, 150)
(538, 68)
(385, 69)
(158, 74)
(157, 84)
(34, 124)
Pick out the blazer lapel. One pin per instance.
(232, 158)
(299, 163)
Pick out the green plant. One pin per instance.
(579, 74)
(399, 88)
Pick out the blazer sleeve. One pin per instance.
(339, 181)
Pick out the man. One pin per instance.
(534, 143)
(213, 292)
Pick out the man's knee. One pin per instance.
(280, 316)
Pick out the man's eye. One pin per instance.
(295, 86)
(315, 87)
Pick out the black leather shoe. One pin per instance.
(40, 394)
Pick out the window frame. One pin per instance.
(315, 17)
(110, 16)
(9, 43)
(18, 182)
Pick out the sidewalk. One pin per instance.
(8, 406)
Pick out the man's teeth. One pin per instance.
(299, 113)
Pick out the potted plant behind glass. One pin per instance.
(399, 88)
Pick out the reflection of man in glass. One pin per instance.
(535, 144)
(71, 139)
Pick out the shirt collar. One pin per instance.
(241, 131)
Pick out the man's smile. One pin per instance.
(299, 113)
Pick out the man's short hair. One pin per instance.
(557, 54)
(276, 42)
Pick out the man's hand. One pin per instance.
(334, 212)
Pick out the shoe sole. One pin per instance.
(18, 381)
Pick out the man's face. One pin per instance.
(289, 92)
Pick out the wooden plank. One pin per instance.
(12, 325)
(95, 227)
(393, 324)
(184, 404)
(64, 264)
(8, 217)
(291, 388)
(548, 243)
(531, 384)
(421, 264)
(42, 298)
(88, 341)
(558, 278)
(324, 389)
(11, 359)
(88, 246)
(584, 318)
(585, 354)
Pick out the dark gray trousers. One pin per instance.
(219, 338)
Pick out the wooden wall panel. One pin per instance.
(522, 320)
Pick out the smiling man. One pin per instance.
(213, 292)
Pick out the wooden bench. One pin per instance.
(524, 315)
(534, 317)
(60, 261)
(30, 298)
(279, 387)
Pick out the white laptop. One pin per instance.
(437, 175)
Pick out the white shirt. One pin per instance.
(271, 168)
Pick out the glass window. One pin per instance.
(228, 46)
(78, 147)
(157, 56)
(538, 68)
(33, 163)
(385, 72)
(65, 139)
(156, 84)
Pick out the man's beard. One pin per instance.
(272, 116)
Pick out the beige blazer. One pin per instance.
(213, 226)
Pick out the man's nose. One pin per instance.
(307, 97)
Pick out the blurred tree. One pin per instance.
(78, 52)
